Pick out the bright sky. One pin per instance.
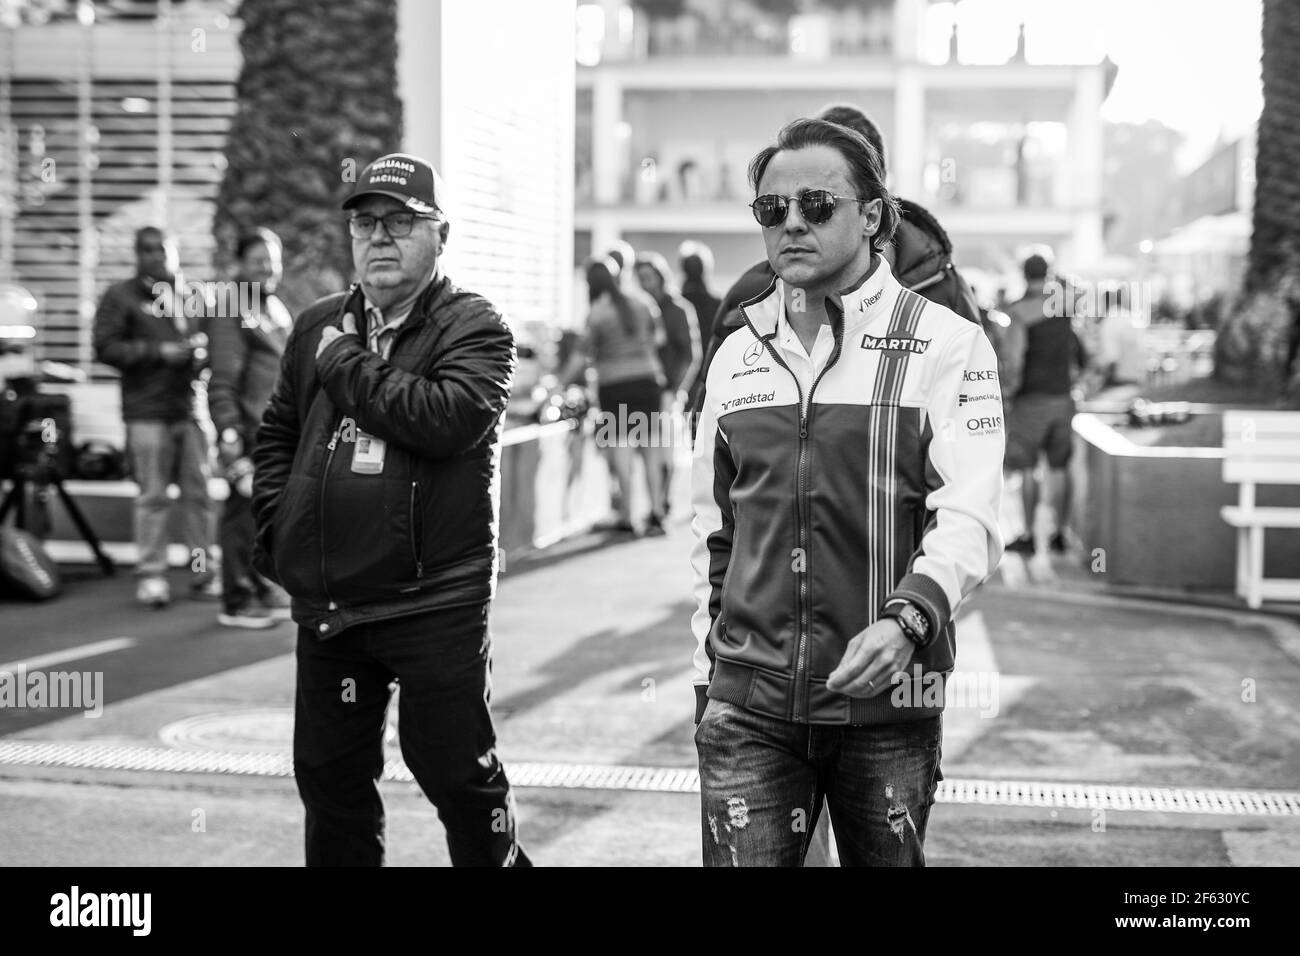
(1192, 64)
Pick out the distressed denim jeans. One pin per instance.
(763, 780)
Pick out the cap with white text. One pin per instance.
(401, 176)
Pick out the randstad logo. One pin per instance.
(895, 343)
(753, 398)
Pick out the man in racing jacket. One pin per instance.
(847, 474)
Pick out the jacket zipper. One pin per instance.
(329, 458)
(417, 536)
(801, 525)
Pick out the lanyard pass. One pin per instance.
(368, 454)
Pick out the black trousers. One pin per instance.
(442, 662)
(235, 533)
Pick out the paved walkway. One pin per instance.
(1086, 730)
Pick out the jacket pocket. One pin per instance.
(369, 540)
(295, 551)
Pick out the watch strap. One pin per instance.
(915, 625)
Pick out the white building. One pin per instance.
(672, 107)
(114, 115)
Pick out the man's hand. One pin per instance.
(872, 658)
(175, 353)
(229, 452)
(330, 333)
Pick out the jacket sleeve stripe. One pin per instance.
(962, 544)
(712, 472)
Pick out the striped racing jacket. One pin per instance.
(811, 511)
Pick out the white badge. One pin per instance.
(368, 454)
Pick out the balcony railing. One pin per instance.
(743, 30)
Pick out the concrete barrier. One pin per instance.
(553, 484)
(1154, 513)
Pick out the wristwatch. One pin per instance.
(915, 625)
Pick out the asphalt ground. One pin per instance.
(1067, 688)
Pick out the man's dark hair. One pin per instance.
(846, 114)
(145, 232)
(866, 172)
(256, 237)
(1035, 268)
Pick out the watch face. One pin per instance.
(916, 621)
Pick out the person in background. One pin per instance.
(245, 348)
(679, 355)
(1043, 357)
(1122, 359)
(696, 262)
(141, 329)
(621, 257)
(621, 341)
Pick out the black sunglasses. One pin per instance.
(816, 206)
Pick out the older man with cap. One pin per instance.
(374, 469)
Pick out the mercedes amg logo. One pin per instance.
(753, 352)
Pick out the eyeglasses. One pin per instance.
(398, 225)
(816, 206)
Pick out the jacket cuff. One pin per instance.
(701, 701)
(923, 591)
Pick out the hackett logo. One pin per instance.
(980, 375)
(895, 343)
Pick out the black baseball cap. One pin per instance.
(401, 176)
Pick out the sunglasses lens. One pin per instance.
(769, 210)
(817, 206)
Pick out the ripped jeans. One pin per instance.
(763, 780)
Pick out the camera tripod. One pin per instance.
(44, 481)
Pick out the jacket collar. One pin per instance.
(425, 305)
(871, 300)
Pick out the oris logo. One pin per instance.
(753, 353)
(990, 425)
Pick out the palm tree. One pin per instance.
(1258, 343)
(317, 100)
(1275, 241)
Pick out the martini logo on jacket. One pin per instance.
(897, 344)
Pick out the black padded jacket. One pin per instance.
(420, 535)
